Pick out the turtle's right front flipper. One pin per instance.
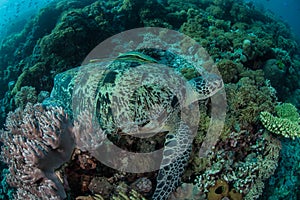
(175, 158)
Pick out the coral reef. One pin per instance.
(285, 183)
(224, 29)
(254, 51)
(44, 49)
(238, 160)
(90, 137)
(20, 50)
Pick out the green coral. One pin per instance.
(246, 99)
(288, 111)
(230, 70)
(287, 122)
(27, 94)
(6, 192)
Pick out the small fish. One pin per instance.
(132, 56)
(99, 60)
(137, 57)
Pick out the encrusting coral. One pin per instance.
(221, 191)
(218, 191)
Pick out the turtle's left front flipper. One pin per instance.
(175, 158)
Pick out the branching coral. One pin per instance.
(37, 142)
(238, 160)
(25, 95)
(280, 126)
(287, 124)
(247, 99)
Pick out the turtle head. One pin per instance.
(206, 85)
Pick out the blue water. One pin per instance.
(14, 14)
(287, 10)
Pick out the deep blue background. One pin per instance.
(288, 10)
(14, 13)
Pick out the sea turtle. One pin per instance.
(139, 92)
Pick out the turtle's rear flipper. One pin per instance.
(175, 157)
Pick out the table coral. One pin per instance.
(280, 126)
(287, 124)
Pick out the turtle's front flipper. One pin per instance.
(175, 157)
(61, 94)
